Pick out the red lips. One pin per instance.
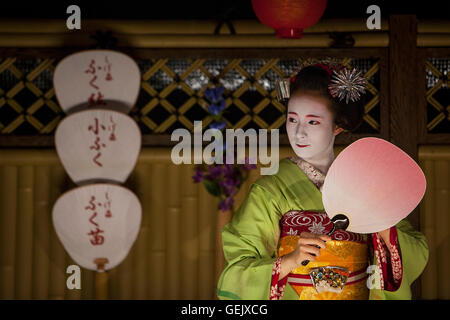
(301, 146)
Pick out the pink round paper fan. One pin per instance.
(374, 183)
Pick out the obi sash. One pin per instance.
(346, 250)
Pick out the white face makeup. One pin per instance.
(310, 127)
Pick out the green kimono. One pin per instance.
(250, 240)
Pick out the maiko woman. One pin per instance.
(282, 222)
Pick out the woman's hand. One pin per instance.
(308, 248)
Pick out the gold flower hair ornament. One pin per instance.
(344, 83)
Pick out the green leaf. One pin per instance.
(212, 187)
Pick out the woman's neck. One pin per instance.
(321, 164)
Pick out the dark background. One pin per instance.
(200, 9)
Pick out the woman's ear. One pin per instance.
(337, 130)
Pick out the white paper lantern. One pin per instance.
(97, 78)
(97, 222)
(98, 144)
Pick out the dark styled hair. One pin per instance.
(315, 79)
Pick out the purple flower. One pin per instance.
(215, 108)
(217, 125)
(214, 172)
(229, 186)
(226, 204)
(198, 176)
(228, 170)
(214, 94)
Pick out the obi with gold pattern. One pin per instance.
(339, 273)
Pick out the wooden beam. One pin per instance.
(148, 140)
(208, 53)
(403, 71)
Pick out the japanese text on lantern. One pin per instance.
(98, 144)
(97, 207)
(95, 70)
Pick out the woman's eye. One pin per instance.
(316, 122)
(292, 120)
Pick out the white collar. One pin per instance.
(313, 174)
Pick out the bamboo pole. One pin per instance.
(140, 274)
(24, 249)
(206, 229)
(433, 40)
(58, 265)
(88, 284)
(101, 285)
(429, 277)
(173, 26)
(379, 39)
(206, 284)
(157, 275)
(173, 261)
(21, 157)
(433, 26)
(434, 152)
(443, 226)
(41, 232)
(157, 226)
(125, 273)
(101, 279)
(8, 211)
(140, 284)
(53, 26)
(113, 287)
(173, 234)
(190, 243)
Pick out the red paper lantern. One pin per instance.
(289, 17)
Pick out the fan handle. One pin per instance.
(340, 222)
